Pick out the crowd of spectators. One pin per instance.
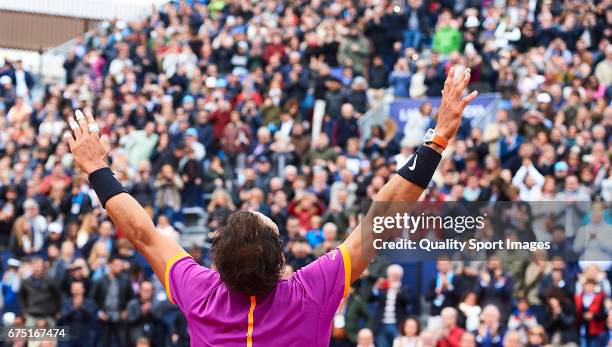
(210, 104)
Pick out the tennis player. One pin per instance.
(244, 302)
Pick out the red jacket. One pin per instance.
(452, 339)
(598, 324)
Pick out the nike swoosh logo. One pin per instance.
(411, 167)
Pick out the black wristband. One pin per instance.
(105, 184)
(421, 166)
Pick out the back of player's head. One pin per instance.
(248, 253)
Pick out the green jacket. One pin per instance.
(356, 312)
(446, 40)
(354, 49)
(315, 154)
(139, 146)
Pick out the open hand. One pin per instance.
(452, 105)
(88, 149)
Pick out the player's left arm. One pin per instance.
(360, 244)
(90, 152)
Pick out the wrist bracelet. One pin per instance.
(105, 184)
(421, 166)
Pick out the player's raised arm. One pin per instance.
(90, 153)
(414, 177)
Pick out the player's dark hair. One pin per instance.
(248, 254)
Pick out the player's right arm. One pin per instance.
(359, 245)
(90, 153)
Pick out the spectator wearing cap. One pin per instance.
(78, 313)
(7, 92)
(39, 296)
(191, 141)
(533, 123)
(471, 33)
(188, 106)
(191, 172)
(263, 173)
(11, 282)
(561, 172)
(545, 106)
(76, 272)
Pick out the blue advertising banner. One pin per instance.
(481, 111)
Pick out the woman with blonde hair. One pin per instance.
(86, 229)
(98, 258)
(536, 337)
(219, 207)
(21, 237)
